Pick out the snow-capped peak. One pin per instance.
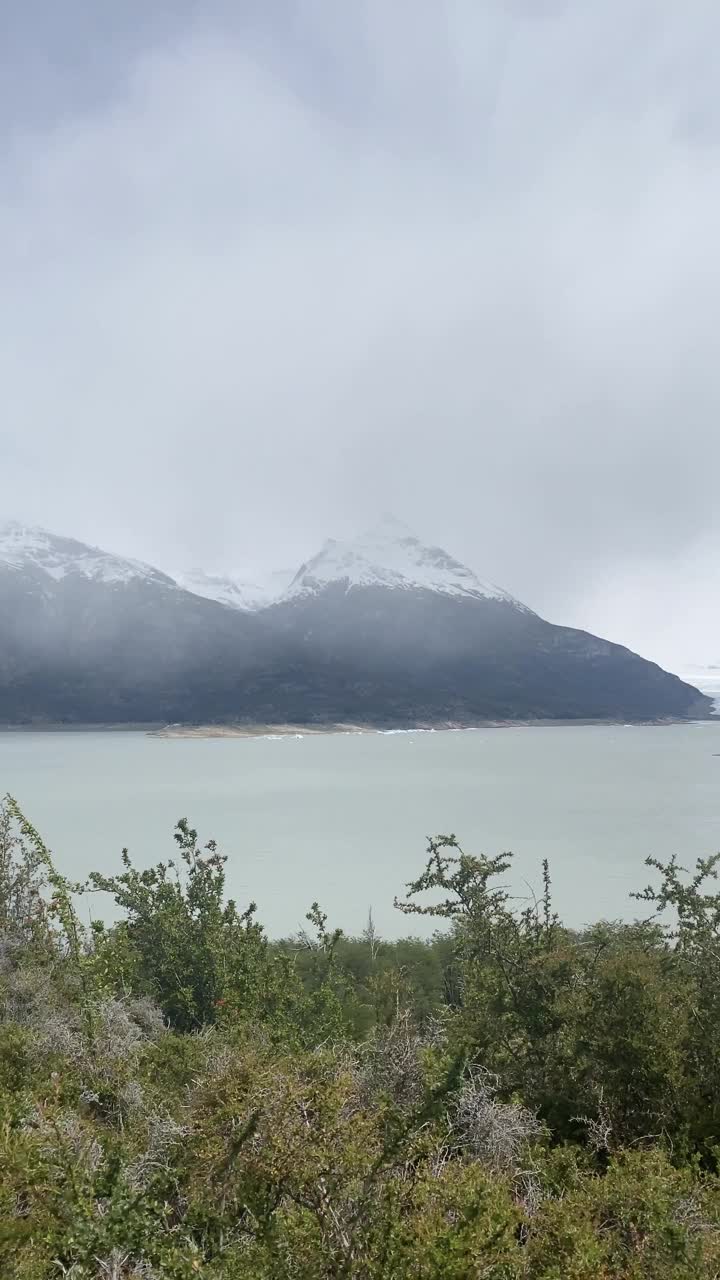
(25, 547)
(235, 592)
(391, 556)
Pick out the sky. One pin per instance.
(272, 267)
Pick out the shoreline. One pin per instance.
(307, 731)
(154, 729)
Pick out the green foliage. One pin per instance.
(687, 909)
(182, 943)
(590, 1027)
(179, 1096)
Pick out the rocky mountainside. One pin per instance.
(383, 630)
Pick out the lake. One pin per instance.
(343, 818)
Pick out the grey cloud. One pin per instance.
(270, 269)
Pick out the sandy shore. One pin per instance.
(304, 731)
(253, 730)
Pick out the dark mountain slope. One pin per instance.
(424, 657)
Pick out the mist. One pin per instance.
(271, 270)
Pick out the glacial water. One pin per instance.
(343, 819)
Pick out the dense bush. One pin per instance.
(181, 1096)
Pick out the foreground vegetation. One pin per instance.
(180, 1097)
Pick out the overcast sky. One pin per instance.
(270, 267)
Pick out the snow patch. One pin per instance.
(23, 547)
(391, 556)
(236, 592)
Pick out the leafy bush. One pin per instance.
(180, 1096)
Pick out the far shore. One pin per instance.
(158, 730)
(304, 731)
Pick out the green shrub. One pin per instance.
(511, 1099)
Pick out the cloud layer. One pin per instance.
(266, 274)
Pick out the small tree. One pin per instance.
(181, 941)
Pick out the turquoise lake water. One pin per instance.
(344, 818)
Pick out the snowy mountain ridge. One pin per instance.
(392, 557)
(388, 556)
(27, 547)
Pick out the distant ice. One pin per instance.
(706, 679)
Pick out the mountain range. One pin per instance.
(381, 630)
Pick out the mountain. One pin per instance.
(387, 622)
(236, 592)
(90, 636)
(382, 630)
(391, 557)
